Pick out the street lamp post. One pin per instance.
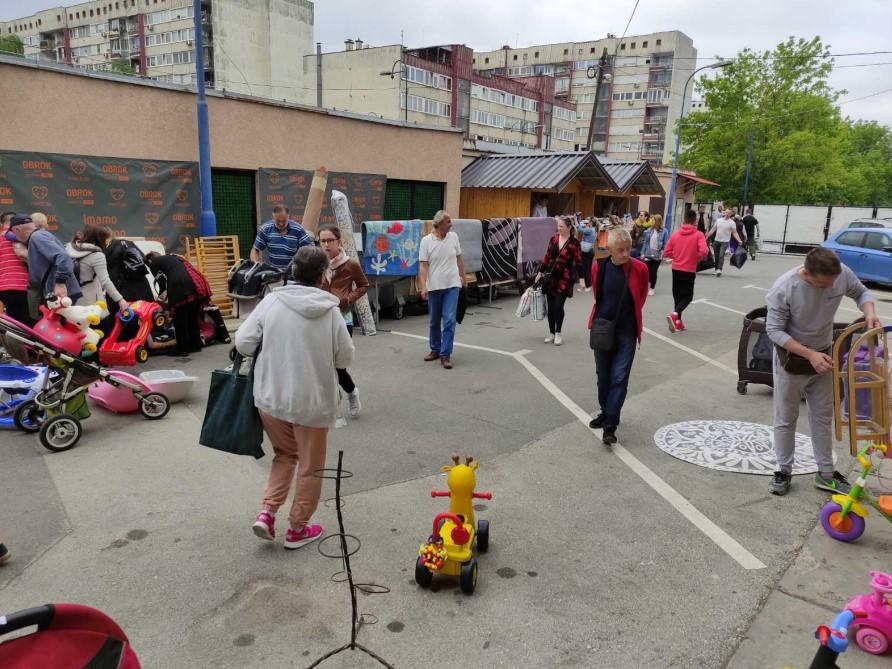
(208, 221)
(671, 208)
(405, 76)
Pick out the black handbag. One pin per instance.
(708, 262)
(602, 333)
(796, 364)
(231, 421)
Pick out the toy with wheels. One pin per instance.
(127, 344)
(450, 547)
(834, 639)
(843, 517)
(873, 631)
(18, 385)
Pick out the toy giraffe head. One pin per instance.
(461, 479)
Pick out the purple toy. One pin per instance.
(873, 632)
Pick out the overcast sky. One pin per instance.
(718, 27)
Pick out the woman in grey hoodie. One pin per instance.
(304, 341)
(87, 250)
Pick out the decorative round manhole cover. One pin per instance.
(731, 446)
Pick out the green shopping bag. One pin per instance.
(231, 421)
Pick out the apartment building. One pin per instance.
(638, 105)
(438, 86)
(253, 48)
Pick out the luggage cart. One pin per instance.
(861, 385)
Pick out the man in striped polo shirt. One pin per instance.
(280, 238)
(13, 273)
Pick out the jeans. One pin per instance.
(555, 305)
(719, 248)
(653, 266)
(613, 370)
(682, 289)
(442, 305)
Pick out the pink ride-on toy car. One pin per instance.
(873, 632)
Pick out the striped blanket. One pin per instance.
(499, 249)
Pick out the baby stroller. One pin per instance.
(59, 407)
(68, 636)
(249, 282)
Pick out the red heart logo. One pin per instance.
(78, 166)
(117, 194)
(151, 217)
(39, 192)
(182, 195)
(150, 170)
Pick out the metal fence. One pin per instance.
(794, 229)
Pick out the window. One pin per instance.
(426, 106)
(419, 76)
(473, 61)
(564, 134)
(563, 113)
(79, 32)
(566, 52)
(657, 95)
(659, 42)
(644, 45)
(166, 15)
(580, 115)
(536, 54)
(622, 47)
(626, 113)
(623, 147)
(585, 64)
(486, 61)
(877, 241)
(525, 56)
(515, 56)
(592, 50)
(171, 37)
(91, 12)
(633, 45)
(561, 85)
(851, 239)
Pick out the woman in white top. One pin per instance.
(87, 249)
(441, 275)
(724, 229)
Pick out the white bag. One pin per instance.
(538, 306)
(523, 307)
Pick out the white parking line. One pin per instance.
(718, 306)
(721, 538)
(690, 351)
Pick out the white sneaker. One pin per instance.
(719, 273)
(558, 340)
(651, 291)
(355, 404)
(549, 339)
(340, 421)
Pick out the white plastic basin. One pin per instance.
(174, 383)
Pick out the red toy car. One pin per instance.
(127, 343)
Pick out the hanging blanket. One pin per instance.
(470, 236)
(499, 249)
(390, 248)
(534, 235)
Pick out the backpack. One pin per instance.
(133, 262)
(762, 354)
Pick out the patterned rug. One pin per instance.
(730, 446)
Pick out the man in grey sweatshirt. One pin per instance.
(50, 270)
(801, 306)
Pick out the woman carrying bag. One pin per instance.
(305, 340)
(560, 267)
(620, 290)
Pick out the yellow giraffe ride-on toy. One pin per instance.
(450, 548)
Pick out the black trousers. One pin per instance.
(682, 289)
(555, 304)
(587, 267)
(344, 378)
(185, 324)
(653, 266)
(15, 302)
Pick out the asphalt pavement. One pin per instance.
(599, 558)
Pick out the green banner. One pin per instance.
(155, 199)
(365, 194)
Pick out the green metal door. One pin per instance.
(412, 199)
(235, 206)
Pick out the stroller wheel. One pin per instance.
(154, 406)
(28, 417)
(60, 433)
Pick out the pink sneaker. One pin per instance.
(672, 319)
(297, 538)
(265, 526)
(679, 325)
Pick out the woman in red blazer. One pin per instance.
(619, 286)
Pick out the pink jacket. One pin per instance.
(686, 247)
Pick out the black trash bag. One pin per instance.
(739, 257)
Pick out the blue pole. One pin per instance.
(208, 221)
(671, 208)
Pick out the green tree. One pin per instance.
(12, 44)
(804, 152)
(122, 66)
